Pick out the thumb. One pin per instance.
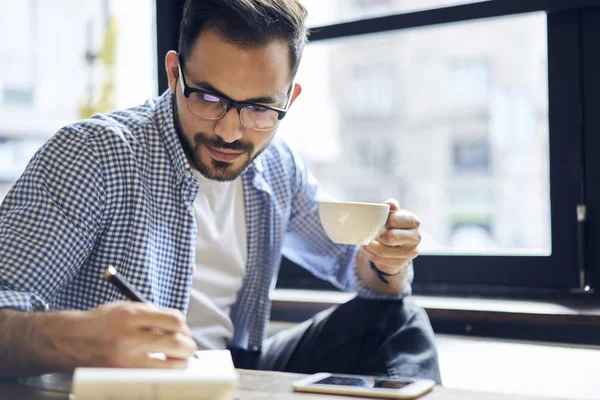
(394, 205)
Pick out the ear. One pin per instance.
(172, 67)
(295, 93)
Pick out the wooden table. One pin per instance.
(254, 385)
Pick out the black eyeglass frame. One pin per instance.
(187, 91)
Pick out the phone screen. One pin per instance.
(364, 382)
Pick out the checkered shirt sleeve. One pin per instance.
(48, 220)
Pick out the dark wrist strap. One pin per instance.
(380, 274)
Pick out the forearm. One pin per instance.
(118, 334)
(395, 283)
(25, 344)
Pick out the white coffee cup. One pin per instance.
(352, 222)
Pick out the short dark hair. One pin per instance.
(246, 23)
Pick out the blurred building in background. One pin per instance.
(52, 66)
(450, 120)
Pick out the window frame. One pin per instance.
(590, 87)
(572, 28)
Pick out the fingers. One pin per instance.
(167, 320)
(400, 237)
(394, 249)
(394, 205)
(175, 345)
(402, 219)
(162, 330)
(123, 334)
(379, 253)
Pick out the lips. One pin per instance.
(223, 156)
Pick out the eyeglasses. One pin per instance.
(211, 106)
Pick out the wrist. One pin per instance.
(56, 332)
(381, 275)
(29, 342)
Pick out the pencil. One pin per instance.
(124, 286)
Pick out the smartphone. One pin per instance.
(364, 386)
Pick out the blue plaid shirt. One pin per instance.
(118, 190)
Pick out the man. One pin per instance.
(194, 200)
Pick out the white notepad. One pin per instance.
(211, 376)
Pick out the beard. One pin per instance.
(214, 169)
(221, 170)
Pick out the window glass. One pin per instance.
(451, 120)
(63, 60)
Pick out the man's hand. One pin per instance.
(121, 334)
(397, 244)
(391, 251)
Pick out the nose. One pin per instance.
(229, 127)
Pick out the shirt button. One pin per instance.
(188, 174)
(254, 348)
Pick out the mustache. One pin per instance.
(217, 142)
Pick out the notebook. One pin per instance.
(210, 376)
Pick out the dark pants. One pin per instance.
(364, 337)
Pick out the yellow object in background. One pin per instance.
(108, 55)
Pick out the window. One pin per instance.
(469, 80)
(17, 56)
(471, 156)
(400, 120)
(368, 91)
(479, 116)
(53, 73)
(475, 151)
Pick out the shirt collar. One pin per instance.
(166, 127)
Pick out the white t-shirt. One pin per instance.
(221, 256)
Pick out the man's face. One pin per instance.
(222, 149)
